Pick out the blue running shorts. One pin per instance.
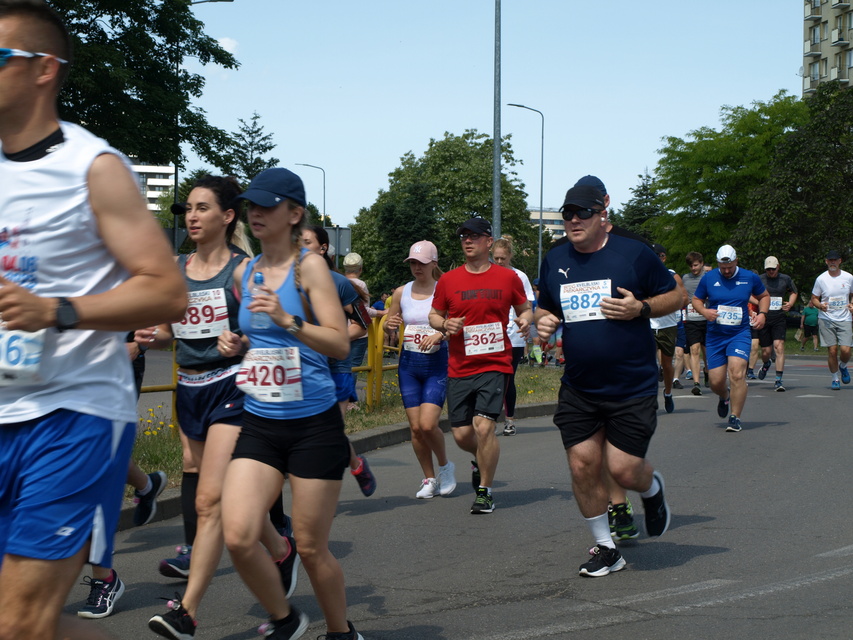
(719, 349)
(423, 377)
(208, 398)
(62, 482)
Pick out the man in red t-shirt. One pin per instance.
(470, 305)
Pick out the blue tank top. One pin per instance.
(318, 388)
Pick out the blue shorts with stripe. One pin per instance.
(208, 398)
(62, 482)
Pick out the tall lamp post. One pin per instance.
(541, 178)
(177, 209)
(314, 166)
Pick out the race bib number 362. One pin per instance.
(581, 301)
(484, 338)
(271, 375)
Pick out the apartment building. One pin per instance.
(153, 181)
(827, 51)
(552, 220)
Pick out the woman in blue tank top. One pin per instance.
(291, 423)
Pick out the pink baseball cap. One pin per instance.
(423, 251)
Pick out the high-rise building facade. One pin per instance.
(827, 50)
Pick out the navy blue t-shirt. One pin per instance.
(348, 295)
(609, 358)
(732, 292)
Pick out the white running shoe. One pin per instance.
(429, 487)
(447, 478)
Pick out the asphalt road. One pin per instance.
(759, 544)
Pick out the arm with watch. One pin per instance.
(629, 307)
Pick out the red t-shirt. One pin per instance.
(484, 299)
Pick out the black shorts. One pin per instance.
(696, 332)
(809, 330)
(479, 395)
(774, 329)
(628, 424)
(313, 447)
(665, 340)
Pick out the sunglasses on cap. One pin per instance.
(582, 214)
(6, 54)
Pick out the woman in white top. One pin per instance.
(422, 371)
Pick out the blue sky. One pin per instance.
(352, 86)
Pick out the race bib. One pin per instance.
(20, 357)
(729, 316)
(837, 303)
(414, 336)
(483, 338)
(271, 375)
(692, 314)
(206, 317)
(775, 303)
(581, 301)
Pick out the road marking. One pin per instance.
(835, 553)
(668, 593)
(812, 395)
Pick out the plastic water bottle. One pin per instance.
(260, 320)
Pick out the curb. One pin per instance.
(169, 502)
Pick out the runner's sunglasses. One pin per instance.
(582, 214)
(5, 54)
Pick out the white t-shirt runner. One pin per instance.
(835, 291)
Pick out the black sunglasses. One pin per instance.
(582, 214)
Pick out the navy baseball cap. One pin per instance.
(476, 225)
(271, 186)
(592, 181)
(583, 196)
(833, 255)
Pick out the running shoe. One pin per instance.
(447, 479)
(734, 424)
(288, 567)
(723, 407)
(176, 623)
(604, 561)
(429, 488)
(623, 522)
(657, 511)
(845, 375)
(676, 384)
(475, 475)
(778, 386)
(289, 628)
(146, 506)
(668, 403)
(352, 634)
(365, 478)
(102, 597)
(688, 375)
(509, 427)
(835, 386)
(750, 375)
(762, 372)
(483, 503)
(696, 391)
(178, 567)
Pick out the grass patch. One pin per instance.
(158, 446)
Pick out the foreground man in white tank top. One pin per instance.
(81, 263)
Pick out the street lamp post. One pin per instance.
(541, 178)
(314, 166)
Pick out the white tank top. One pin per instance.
(49, 243)
(414, 311)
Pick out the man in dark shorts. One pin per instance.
(602, 289)
(772, 335)
(470, 305)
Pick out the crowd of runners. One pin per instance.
(265, 346)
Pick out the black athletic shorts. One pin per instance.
(696, 332)
(774, 329)
(479, 395)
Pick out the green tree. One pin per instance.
(704, 181)
(642, 209)
(245, 157)
(428, 197)
(128, 84)
(805, 207)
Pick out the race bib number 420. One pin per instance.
(20, 357)
(206, 316)
(581, 301)
(484, 338)
(271, 375)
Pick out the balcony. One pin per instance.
(838, 4)
(812, 13)
(839, 38)
(839, 73)
(811, 49)
(810, 85)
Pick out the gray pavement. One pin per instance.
(758, 544)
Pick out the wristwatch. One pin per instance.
(646, 311)
(296, 327)
(66, 316)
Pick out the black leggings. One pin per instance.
(510, 394)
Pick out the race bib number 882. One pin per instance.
(581, 301)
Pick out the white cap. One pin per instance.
(771, 263)
(353, 260)
(726, 253)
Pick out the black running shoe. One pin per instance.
(146, 506)
(676, 384)
(351, 634)
(289, 628)
(623, 522)
(723, 408)
(762, 372)
(102, 597)
(696, 390)
(604, 561)
(657, 511)
(483, 503)
(668, 403)
(288, 567)
(176, 623)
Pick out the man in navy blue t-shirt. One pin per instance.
(600, 289)
(722, 297)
